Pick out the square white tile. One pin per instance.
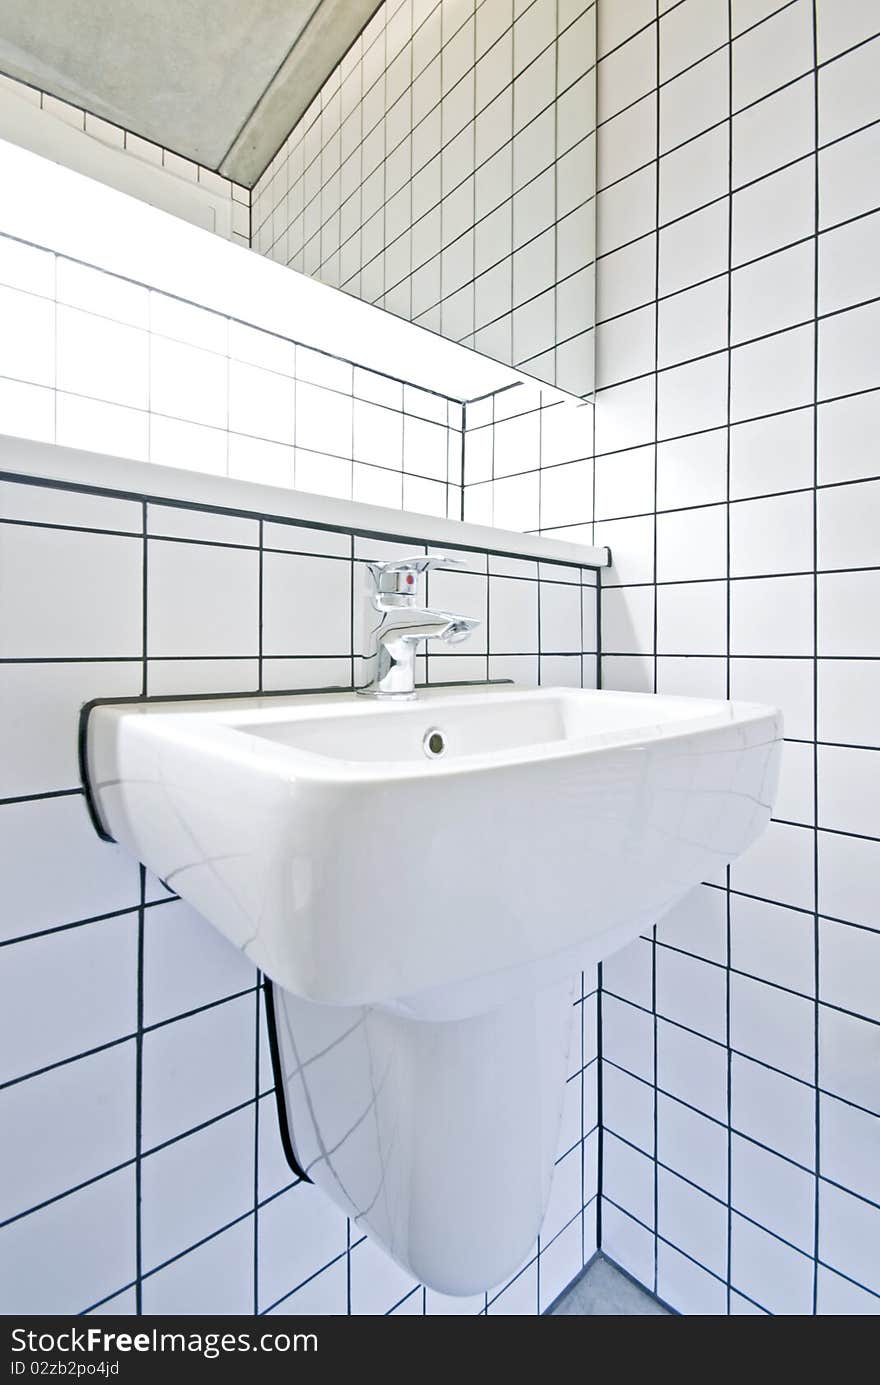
(848, 878)
(692, 993)
(692, 471)
(850, 1147)
(692, 544)
(848, 272)
(202, 600)
(772, 943)
(197, 1068)
(323, 420)
(39, 714)
(692, 618)
(693, 1221)
(773, 1109)
(627, 620)
(560, 611)
(771, 454)
(692, 1145)
(772, 374)
(847, 518)
(293, 621)
(46, 1020)
(848, 696)
(79, 594)
(772, 616)
(772, 1026)
(28, 348)
(849, 963)
(692, 322)
(772, 293)
(848, 1233)
(769, 1272)
(789, 519)
(188, 383)
(773, 1192)
(38, 1274)
(261, 403)
(691, 1068)
(513, 615)
(847, 1058)
(56, 869)
(93, 1102)
(842, 631)
(775, 131)
(216, 1277)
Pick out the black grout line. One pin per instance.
(750, 1057)
(809, 239)
(40, 797)
(656, 943)
(229, 318)
(728, 640)
(256, 1181)
(690, 140)
(320, 526)
(719, 1278)
(139, 1096)
(723, 1126)
(416, 169)
(714, 201)
(725, 1202)
(816, 628)
(82, 923)
(816, 576)
(142, 1029)
(802, 325)
(655, 619)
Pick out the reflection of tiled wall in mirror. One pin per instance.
(446, 173)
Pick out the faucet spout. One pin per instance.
(458, 629)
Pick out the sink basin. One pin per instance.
(421, 882)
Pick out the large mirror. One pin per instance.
(435, 158)
(446, 172)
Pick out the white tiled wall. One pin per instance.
(732, 469)
(446, 172)
(142, 1166)
(736, 483)
(95, 361)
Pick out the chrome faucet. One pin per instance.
(403, 623)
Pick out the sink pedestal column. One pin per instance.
(437, 1137)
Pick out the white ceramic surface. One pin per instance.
(419, 916)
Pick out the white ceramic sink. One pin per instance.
(422, 916)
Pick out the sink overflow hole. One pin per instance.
(434, 744)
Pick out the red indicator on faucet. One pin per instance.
(409, 579)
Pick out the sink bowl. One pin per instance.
(421, 882)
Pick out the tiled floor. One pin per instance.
(603, 1291)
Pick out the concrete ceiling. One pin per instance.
(219, 81)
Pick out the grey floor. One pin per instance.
(602, 1291)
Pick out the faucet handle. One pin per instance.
(400, 576)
